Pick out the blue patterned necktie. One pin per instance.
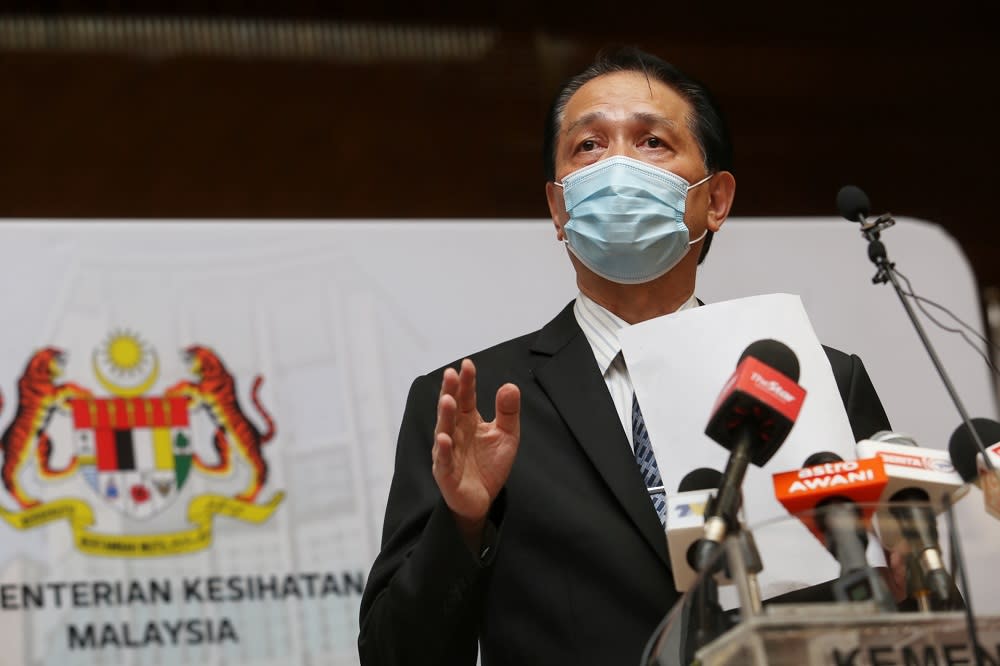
(647, 461)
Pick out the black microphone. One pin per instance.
(919, 479)
(852, 203)
(686, 522)
(916, 522)
(703, 478)
(839, 518)
(752, 417)
(964, 450)
(696, 489)
(974, 462)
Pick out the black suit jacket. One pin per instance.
(579, 572)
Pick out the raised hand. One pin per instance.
(471, 457)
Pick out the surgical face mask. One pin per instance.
(626, 218)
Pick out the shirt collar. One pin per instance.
(601, 327)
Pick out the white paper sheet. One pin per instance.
(680, 362)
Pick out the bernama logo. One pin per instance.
(771, 386)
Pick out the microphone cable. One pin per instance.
(659, 637)
(921, 300)
(853, 205)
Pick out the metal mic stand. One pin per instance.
(876, 252)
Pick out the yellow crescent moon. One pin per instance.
(127, 391)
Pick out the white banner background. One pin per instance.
(339, 317)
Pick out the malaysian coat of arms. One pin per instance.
(136, 451)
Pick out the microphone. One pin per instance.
(686, 522)
(833, 498)
(852, 203)
(969, 462)
(964, 451)
(685, 528)
(930, 471)
(752, 417)
(920, 481)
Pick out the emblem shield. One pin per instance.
(134, 452)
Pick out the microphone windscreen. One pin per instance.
(821, 458)
(775, 354)
(963, 448)
(702, 478)
(852, 203)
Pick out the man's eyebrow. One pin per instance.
(585, 119)
(641, 116)
(655, 119)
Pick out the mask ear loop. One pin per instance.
(691, 187)
(698, 239)
(564, 241)
(703, 180)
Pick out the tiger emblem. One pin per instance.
(215, 392)
(39, 397)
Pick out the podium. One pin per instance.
(851, 620)
(841, 634)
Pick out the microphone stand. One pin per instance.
(958, 562)
(886, 273)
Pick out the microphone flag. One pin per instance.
(758, 393)
(800, 490)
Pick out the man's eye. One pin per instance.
(589, 144)
(654, 142)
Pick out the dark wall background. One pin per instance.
(896, 98)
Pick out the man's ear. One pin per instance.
(721, 191)
(557, 208)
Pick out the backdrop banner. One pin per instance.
(198, 418)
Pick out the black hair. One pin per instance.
(707, 123)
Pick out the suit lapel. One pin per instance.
(569, 376)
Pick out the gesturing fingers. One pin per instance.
(471, 460)
(446, 403)
(508, 404)
(449, 382)
(466, 396)
(447, 415)
(442, 453)
(441, 457)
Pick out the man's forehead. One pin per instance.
(620, 95)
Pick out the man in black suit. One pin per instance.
(518, 516)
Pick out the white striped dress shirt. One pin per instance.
(601, 328)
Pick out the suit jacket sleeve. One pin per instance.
(864, 409)
(422, 599)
